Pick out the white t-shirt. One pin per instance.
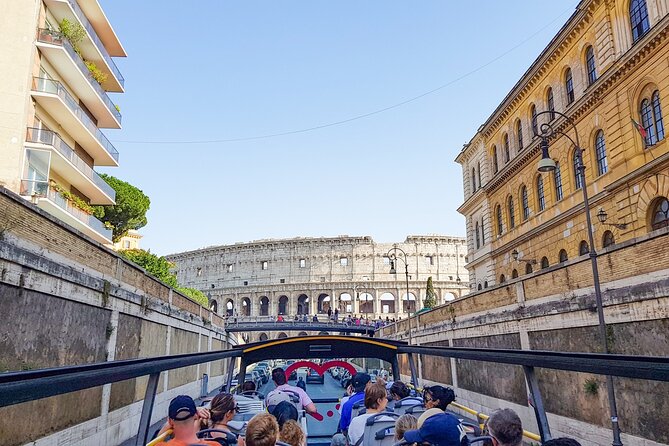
(341, 404)
(357, 427)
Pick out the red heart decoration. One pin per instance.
(320, 369)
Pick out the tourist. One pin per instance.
(301, 384)
(437, 428)
(564, 441)
(399, 391)
(315, 318)
(279, 378)
(222, 409)
(505, 428)
(329, 313)
(358, 382)
(279, 318)
(283, 412)
(376, 401)
(336, 315)
(262, 430)
(404, 423)
(184, 421)
(248, 386)
(291, 433)
(438, 396)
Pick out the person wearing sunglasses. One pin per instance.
(223, 408)
(438, 396)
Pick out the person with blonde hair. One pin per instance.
(292, 434)
(376, 400)
(404, 423)
(262, 430)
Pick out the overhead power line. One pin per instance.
(364, 115)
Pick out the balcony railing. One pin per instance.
(51, 138)
(41, 189)
(51, 86)
(56, 38)
(96, 40)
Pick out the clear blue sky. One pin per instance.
(222, 69)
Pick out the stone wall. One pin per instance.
(67, 300)
(554, 309)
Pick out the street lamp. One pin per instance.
(546, 164)
(602, 216)
(515, 255)
(392, 255)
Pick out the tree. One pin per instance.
(128, 213)
(196, 295)
(158, 267)
(430, 295)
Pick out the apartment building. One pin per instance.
(607, 71)
(55, 87)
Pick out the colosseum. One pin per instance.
(267, 278)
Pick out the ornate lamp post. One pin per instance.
(392, 255)
(546, 164)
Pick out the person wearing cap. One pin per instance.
(282, 386)
(438, 429)
(505, 428)
(184, 420)
(358, 382)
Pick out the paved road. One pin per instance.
(330, 389)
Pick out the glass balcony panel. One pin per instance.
(51, 138)
(57, 38)
(38, 188)
(54, 87)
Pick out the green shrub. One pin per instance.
(99, 75)
(73, 32)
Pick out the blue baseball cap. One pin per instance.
(182, 408)
(439, 430)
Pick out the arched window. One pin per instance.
(482, 232)
(600, 151)
(541, 200)
(485, 284)
(563, 256)
(533, 114)
(525, 203)
(651, 118)
(498, 213)
(495, 166)
(583, 248)
(478, 236)
(479, 287)
(519, 134)
(639, 19)
(502, 279)
(478, 171)
(578, 180)
(507, 151)
(514, 274)
(512, 214)
(607, 239)
(660, 214)
(569, 86)
(557, 177)
(544, 262)
(528, 268)
(550, 103)
(473, 180)
(590, 65)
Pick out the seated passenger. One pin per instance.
(248, 386)
(399, 390)
(279, 378)
(262, 430)
(505, 428)
(375, 402)
(438, 396)
(284, 411)
(184, 420)
(438, 429)
(404, 423)
(347, 394)
(358, 382)
(564, 441)
(222, 409)
(292, 434)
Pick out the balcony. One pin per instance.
(55, 204)
(59, 103)
(92, 48)
(60, 53)
(67, 164)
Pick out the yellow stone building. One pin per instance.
(607, 68)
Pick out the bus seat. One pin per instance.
(357, 408)
(401, 406)
(380, 429)
(248, 405)
(416, 410)
(480, 440)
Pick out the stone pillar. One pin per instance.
(377, 304)
(355, 302)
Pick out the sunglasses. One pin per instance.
(237, 408)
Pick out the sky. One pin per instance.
(205, 79)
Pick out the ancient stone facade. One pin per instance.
(605, 69)
(312, 275)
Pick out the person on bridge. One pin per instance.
(336, 315)
(329, 313)
(279, 318)
(358, 382)
(279, 378)
(184, 420)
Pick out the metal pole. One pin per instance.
(414, 375)
(147, 408)
(598, 298)
(537, 403)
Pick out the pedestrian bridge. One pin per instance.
(247, 324)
